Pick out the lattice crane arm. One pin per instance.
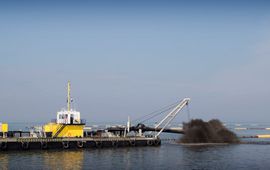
(166, 120)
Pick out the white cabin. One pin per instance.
(68, 117)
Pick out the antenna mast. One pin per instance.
(68, 97)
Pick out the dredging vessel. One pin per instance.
(69, 131)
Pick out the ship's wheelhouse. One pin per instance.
(68, 117)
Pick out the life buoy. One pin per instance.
(65, 145)
(80, 144)
(149, 142)
(115, 144)
(132, 143)
(44, 145)
(99, 144)
(157, 142)
(4, 145)
(25, 145)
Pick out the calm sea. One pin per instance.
(168, 156)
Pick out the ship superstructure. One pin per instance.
(68, 122)
(3, 129)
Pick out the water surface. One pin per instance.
(167, 156)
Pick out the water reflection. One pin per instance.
(63, 159)
(3, 161)
(123, 158)
(211, 155)
(167, 156)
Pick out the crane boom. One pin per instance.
(171, 115)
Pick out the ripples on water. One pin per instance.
(168, 156)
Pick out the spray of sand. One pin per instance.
(213, 131)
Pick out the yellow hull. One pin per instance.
(64, 130)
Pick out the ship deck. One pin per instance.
(27, 143)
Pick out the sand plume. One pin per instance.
(213, 131)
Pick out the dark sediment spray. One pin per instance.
(213, 131)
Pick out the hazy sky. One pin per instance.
(133, 57)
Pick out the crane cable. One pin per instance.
(155, 113)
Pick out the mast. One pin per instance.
(68, 97)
